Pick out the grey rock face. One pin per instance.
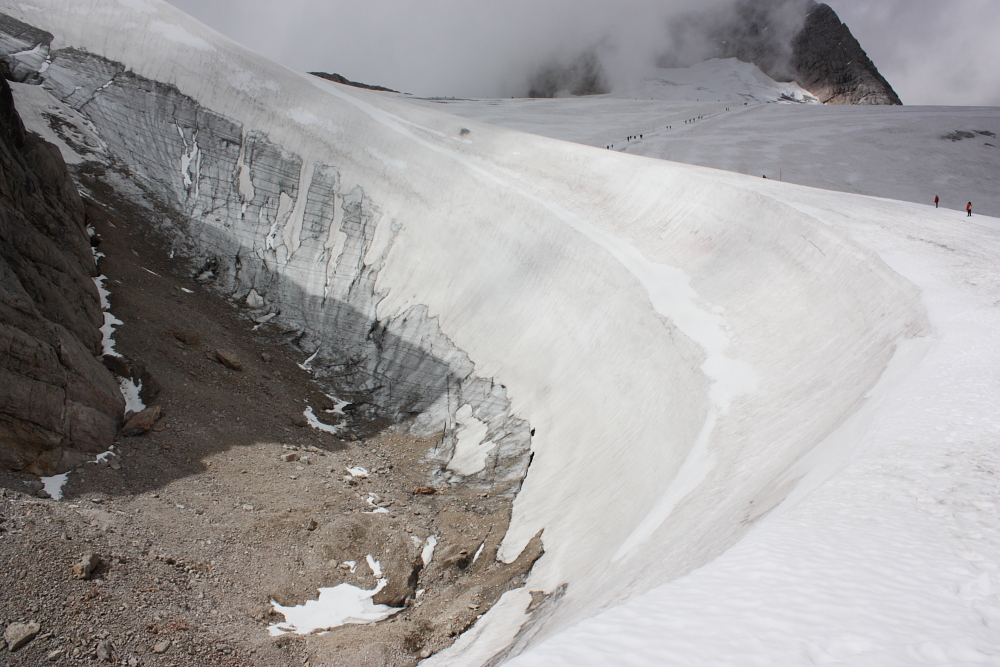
(57, 401)
(830, 63)
(583, 76)
(336, 78)
(226, 196)
(789, 40)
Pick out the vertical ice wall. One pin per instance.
(257, 217)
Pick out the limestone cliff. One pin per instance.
(58, 403)
(805, 42)
(830, 63)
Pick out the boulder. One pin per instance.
(85, 567)
(229, 359)
(19, 634)
(142, 422)
(402, 587)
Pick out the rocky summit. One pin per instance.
(805, 42)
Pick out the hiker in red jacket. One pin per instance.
(936, 200)
(968, 208)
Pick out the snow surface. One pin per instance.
(40, 110)
(318, 425)
(427, 553)
(54, 485)
(900, 152)
(130, 390)
(895, 560)
(622, 301)
(340, 605)
(470, 450)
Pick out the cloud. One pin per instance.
(931, 52)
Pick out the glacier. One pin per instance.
(650, 353)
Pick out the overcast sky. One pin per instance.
(930, 51)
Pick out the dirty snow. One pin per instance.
(340, 605)
(54, 485)
(427, 554)
(470, 450)
(318, 425)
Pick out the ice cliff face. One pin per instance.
(667, 333)
(234, 195)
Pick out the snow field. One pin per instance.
(899, 152)
(893, 561)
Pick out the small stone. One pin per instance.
(312, 525)
(188, 337)
(424, 654)
(85, 567)
(266, 357)
(142, 422)
(229, 360)
(345, 566)
(104, 650)
(288, 457)
(161, 647)
(300, 421)
(424, 491)
(115, 465)
(55, 655)
(19, 634)
(248, 508)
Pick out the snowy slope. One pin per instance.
(680, 339)
(894, 559)
(906, 153)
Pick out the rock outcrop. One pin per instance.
(792, 40)
(830, 63)
(585, 75)
(58, 403)
(336, 78)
